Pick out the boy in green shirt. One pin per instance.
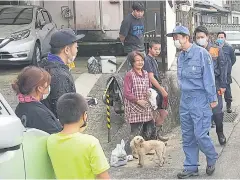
(75, 155)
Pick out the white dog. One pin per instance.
(140, 147)
(152, 97)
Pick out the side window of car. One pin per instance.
(39, 18)
(46, 17)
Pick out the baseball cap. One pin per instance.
(179, 30)
(64, 37)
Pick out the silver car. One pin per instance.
(233, 38)
(25, 33)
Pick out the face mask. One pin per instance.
(70, 60)
(177, 44)
(84, 126)
(220, 41)
(202, 41)
(46, 95)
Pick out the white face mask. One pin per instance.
(202, 41)
(70, 60)
(177, 44)
(46, 95)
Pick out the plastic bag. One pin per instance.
(94, 66)
(119, 155)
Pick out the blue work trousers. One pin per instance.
(195, 118)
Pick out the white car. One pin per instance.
(23, 152)
(233, 38)
(25, 33)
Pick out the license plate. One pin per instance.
(71, 65)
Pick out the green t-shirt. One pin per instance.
(76, 156)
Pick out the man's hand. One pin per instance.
(222, 90)
(213, 104)
(142, 103)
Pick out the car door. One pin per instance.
(51, 28)
(41, 31)
(10, 160)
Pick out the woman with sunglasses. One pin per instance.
(33, 85)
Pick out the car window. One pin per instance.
(46, 17)
(39, 17)
(15, 15)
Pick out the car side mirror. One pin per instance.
(11, 133)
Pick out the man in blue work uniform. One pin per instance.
(231, 59)
(198, 97)
(220, 70)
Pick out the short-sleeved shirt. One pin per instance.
(151, 65)
(76, 156)
(133, 31)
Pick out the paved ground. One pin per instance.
(229, 155)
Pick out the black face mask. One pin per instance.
(84, 123)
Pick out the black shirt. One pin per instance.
(36, 115)
(61, 82)
(133, 31)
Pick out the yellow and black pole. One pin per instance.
(108, 115)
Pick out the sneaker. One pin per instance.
(210, 170)
(229, 110)
(186, 174)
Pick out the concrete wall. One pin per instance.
(170, 24)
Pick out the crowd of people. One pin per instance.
(204, 76)
(48, 100)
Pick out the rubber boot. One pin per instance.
(218, 119)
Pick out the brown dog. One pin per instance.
(140, 147)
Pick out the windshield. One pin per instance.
(233, 36)
(15, 15)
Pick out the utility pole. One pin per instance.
(163, 43)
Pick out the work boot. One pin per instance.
(186, 174)
(229, 109)
(210, 170)
(218, 119)
(221, 138)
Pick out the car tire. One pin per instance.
(36, 58)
